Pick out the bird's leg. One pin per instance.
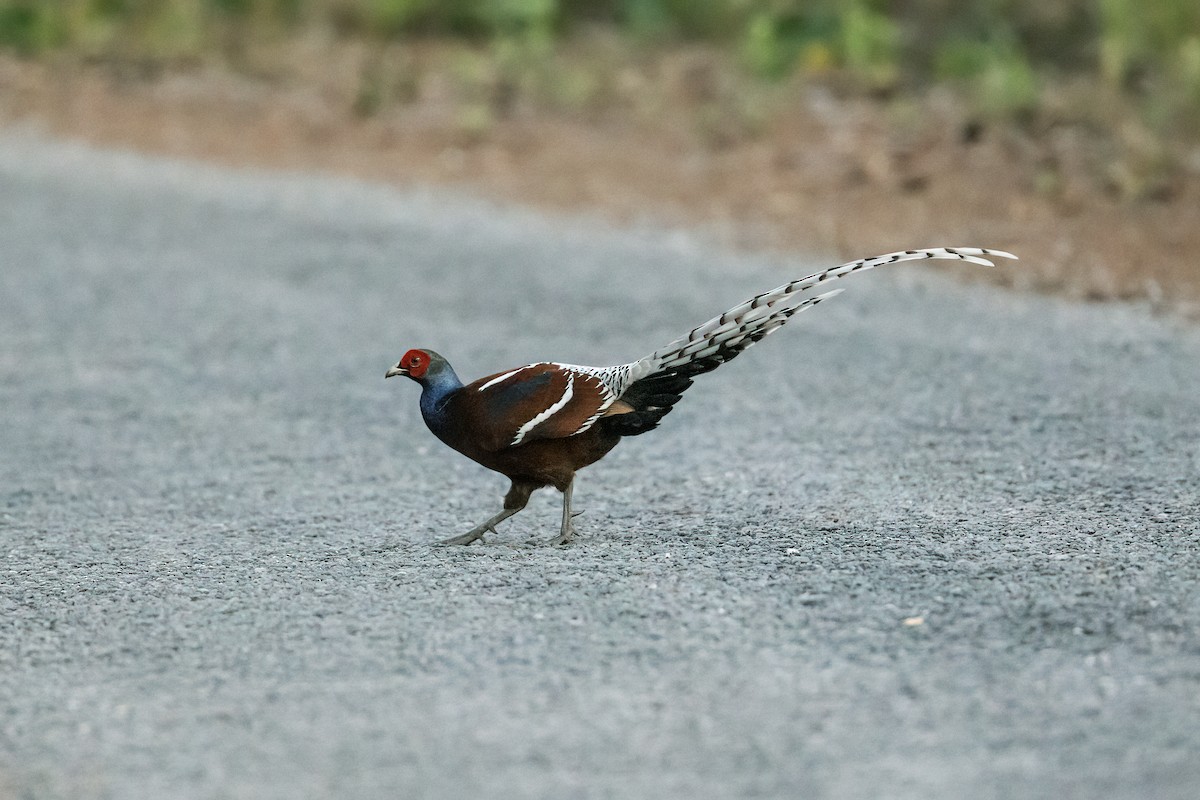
(514, 501)
(567, 532)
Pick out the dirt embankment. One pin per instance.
(848, 176)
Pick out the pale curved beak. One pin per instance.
(394, 371)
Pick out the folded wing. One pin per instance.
(537, 401)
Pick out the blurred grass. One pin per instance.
(1140, 58)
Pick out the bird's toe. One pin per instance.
(565, 537)
(464, 539)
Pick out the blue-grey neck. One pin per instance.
(438, 386)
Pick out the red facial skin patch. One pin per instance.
(416, 362)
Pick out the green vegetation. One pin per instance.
(1144, 53)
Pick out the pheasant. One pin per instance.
(541, 423)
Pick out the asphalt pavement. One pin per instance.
(932, 540)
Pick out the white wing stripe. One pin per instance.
(524, 430)
(503, 377)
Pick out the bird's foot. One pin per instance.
(565, 536)
(468, 537)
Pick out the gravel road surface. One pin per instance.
(930, 541)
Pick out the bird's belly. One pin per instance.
(548, 462)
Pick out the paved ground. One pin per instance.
(215, 516)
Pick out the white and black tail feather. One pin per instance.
(653, 384)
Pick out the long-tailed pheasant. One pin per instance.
(541, 423)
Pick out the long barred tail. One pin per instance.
(656, 381)
(711, 344)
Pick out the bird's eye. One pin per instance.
(416, 360)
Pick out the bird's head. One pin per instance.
(420, 365)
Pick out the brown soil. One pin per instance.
(848, 176)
